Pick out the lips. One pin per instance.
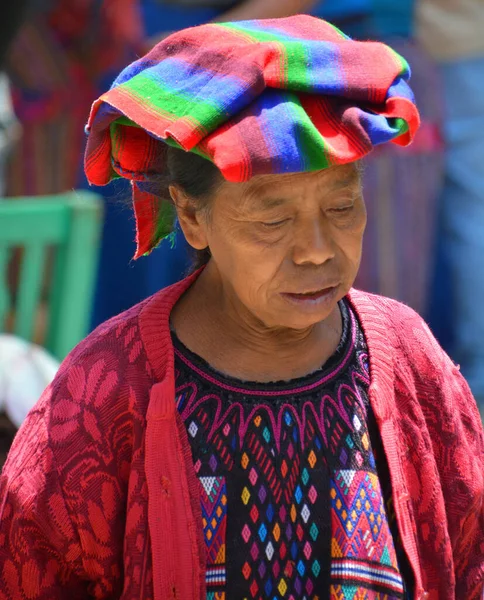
(311, 295)
(313, 291)
(311, 298)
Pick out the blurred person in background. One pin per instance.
(122, 283)
(11, 16)
(452, 31)
(56, 64)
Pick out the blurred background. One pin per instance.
(66, 248)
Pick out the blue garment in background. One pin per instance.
(373, 19)
(342, 9)
(462, 224)
(159, 17)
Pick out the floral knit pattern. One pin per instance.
(292, 505)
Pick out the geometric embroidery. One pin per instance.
(362, 547)
(282, 531)
(307, 513)
(213, 494)
(360, 573)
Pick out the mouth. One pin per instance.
(312, 297)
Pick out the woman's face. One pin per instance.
(288, 246)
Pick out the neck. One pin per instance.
(213, 323)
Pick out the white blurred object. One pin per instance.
(9, 127)
(25, 371)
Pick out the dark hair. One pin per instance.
(198, 178)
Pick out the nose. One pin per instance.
(313, 242)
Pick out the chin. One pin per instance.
(297, 321)
(299, 324)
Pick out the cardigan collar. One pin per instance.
(156, 336)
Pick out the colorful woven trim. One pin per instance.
(254, 97)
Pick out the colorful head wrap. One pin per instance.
(254, 97)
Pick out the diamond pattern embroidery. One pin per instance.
(213, 495)
(273, 531)
(305, 498)
(193, 429)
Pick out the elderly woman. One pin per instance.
(259, 430)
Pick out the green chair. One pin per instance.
(70, 224)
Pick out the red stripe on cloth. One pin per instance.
(146, 210)
(345, 138)
(228, 151)
(370, 68)
(403, 109)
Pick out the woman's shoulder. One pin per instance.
(105, 379)
(134, 339)
(403, 349)
(392, 327)
(377, 307)
(114, 337)
(99, 398)
(397, 319)
(110, 359)
(92, 406)
(67, 472)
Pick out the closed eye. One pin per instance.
(274, 224)
(342, 209)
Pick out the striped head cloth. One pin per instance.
(254, 97)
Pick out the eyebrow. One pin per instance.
(263, 203)
(270, 203)
(347, 182)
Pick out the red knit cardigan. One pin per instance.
(99, 499)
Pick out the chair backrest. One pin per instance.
(29, 227)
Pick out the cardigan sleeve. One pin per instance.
(462, 476)
(457, 440)
(63, 490)
(39, 549)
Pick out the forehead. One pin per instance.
(274, 190)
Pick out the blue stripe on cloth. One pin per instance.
(220, 90)
(400, 89)
(215, 576)
(133, 69)
(324, 69)
(321, 71)
(347, 569)
(277, 124)
(379, 128)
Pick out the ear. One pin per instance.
(192, 222)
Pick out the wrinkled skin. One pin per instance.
(272, 236)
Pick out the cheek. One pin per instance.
(350, 239)
(250, 265)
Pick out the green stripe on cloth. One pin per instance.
(173, 104)
(313, 147)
